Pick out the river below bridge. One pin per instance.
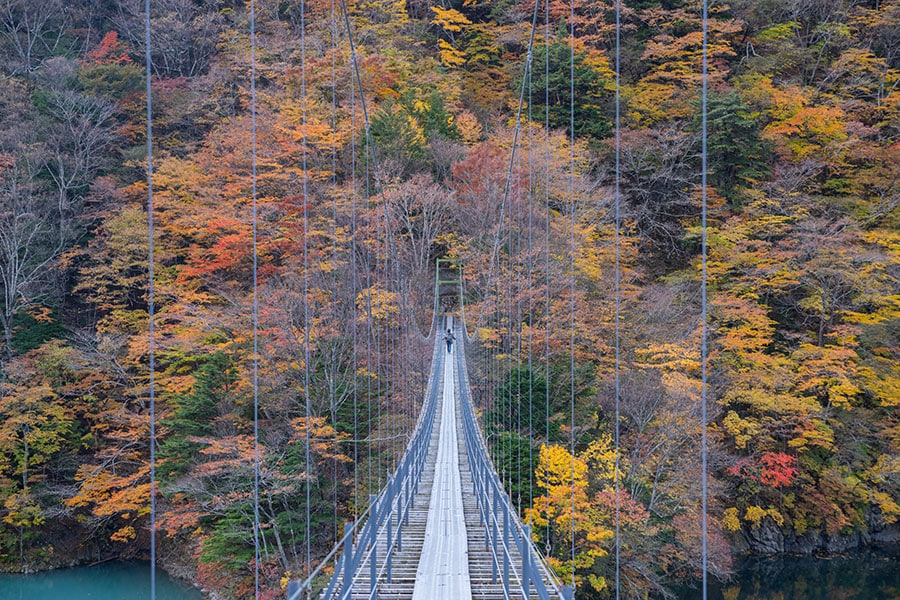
(108, 581)
(868, 576)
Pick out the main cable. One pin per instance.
(376, 171)
(390, 242)
(512, 157)
(151, 299)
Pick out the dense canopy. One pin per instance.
(804, 273)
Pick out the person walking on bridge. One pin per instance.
(449, 337)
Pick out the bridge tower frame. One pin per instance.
(443, 279)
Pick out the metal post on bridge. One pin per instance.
(348, 556)
(492, 515)
(373, 541)
(506, 549)
(525, 549)
(389, 555)
(400, 479)
(293, 590)
(409, 502)
(401, 496)
(477, 480)
(494, 534)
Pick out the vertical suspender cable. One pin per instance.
(512, 157)
(510, 328)
(306, 319)
(518, 316)
(384, 366)
(494, 263)
(703, 300)
(618, 278)
(148, 65)
(531, 198)
(369, 333)
(379, 340)
(253, 165)
(572, 263)
(506, 350)
(379, 187)
(334, 250)
(353, 273)
(506, 374)
(547, 234)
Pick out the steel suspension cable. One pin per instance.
(618, 280)
(547, 235)
(354, 275)
(334, 251)
(572, 265)
(151, 298)
(506, 296)
(512, 157)
(370, 146)
(704, 366)
(306, 318)
(254, 208)
(390, 239)
(369, 325)
(369, 335)
(516, 277)
(378, 340)
(531, 200)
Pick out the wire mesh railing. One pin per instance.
(387, 513)
(505, 535)
(517, 564)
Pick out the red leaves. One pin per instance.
(774, 469)
(231, 252)
(778, 469)
(110, 51)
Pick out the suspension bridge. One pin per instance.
(443, 526)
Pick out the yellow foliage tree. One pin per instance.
(451, 21)
(566, 509)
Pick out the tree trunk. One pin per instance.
(22, 548)
(821, 338)
(281, 553)
(7, 338)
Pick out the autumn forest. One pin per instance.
(803, 117)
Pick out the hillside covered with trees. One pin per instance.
(804, 273)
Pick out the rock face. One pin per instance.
(765, 539)
(768, 538)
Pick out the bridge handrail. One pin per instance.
(362, 529)
(418, 447)
(484, 474)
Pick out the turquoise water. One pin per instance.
(873, 575)
(109, 581)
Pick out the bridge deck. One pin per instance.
(408, 565)
(443, 569)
